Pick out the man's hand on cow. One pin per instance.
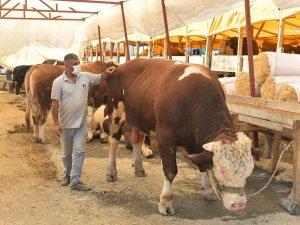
(57, 129)
(108, 72)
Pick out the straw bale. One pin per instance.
(286, 93)
(268, 88)
(261, 68)
(242, 85)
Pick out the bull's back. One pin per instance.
(155, 85)
(40, 80)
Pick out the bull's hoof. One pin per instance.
(140, 173)
(209, 195)
(103, 141)
(39, 140)
(88, 140)
(166, 208)
(111, 178)
(148, 156)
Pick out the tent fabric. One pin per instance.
(145, 16)
(31, 42)
(285, 4)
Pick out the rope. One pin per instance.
(276, 168)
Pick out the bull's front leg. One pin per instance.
(165, 206)
(207, 192)
(137, 140)
(167, 149)
(118, 118)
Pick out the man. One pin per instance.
(69, 98)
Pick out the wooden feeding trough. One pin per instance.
(282, 118)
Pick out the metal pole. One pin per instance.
(250, 48)
(100, 44)
(166, 29)
(125, 33)
(250, 61)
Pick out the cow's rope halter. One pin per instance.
(216, 189)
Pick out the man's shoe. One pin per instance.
(80, 187)
(65, 181)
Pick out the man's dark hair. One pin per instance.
(69, 57)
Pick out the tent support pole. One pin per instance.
(250, 48)
(240, 52)
(280, 35)
(166, 29)
(125, 32)
(100, 44)
(250, 60)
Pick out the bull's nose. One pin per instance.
(237, 206)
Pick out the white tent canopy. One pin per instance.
(30, 42)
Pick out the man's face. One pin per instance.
(72, 62)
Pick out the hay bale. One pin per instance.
(268, 89)
(286, 93)
(270, 86)
(261, 68)
(242, 85)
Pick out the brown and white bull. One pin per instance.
(100, 124)
(38, 83)
(186, 107)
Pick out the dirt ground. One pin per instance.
(30, 192)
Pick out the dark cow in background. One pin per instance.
(185, 105)
(19, 73)
(38, 84)
(287, 48)
(233, 43)
(230, 46)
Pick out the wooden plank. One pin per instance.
(275, 151)
(263, 113)
(267, 147)
(296, 162)
(292, 108)
(224, 63)
(263, 123)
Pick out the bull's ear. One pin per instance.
(209, 146)
(201, 158)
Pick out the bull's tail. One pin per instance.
(31, 103)
(28, 109)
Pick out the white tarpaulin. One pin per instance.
(284, 4)
(145, 16)
(31, 42)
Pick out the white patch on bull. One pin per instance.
(165, 203)
(232, 164)
(177, 62)
(117, 113)
(192, 70)
(55, 63)
(147, 152)
(42, 133)
(123, 91)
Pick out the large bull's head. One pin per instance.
(232, 163)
